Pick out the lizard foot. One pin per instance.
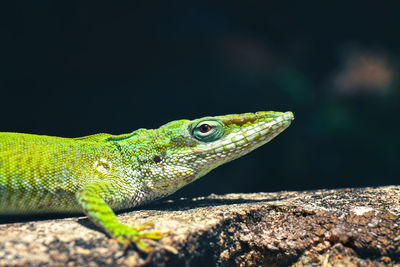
(126, 235)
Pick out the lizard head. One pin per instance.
(182, 151)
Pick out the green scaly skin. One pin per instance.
(101, 173)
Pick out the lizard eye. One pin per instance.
(208, 131)
(205, 128)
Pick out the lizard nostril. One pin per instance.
(157, 159)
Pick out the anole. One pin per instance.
(103, 173)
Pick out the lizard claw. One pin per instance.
(143, 246)
(150, 235)
(139, 228)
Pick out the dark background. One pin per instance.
(73, 69)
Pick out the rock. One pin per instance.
(348, 227)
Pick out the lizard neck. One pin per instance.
(146, 170)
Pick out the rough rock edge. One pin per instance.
(324, 227)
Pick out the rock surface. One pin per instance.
(352, 227)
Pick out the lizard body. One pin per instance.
(100, 173)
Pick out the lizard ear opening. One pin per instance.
(157, 159)
(207, 131)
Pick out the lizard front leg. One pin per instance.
(93, 200)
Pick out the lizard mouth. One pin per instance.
(247, 138)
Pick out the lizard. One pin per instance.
(103, 173)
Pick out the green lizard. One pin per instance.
(100, 173)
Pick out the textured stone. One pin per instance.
(348, 227)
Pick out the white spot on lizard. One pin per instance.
(102, 165)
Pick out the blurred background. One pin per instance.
(73, 69)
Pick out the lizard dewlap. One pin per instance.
(100, 173)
